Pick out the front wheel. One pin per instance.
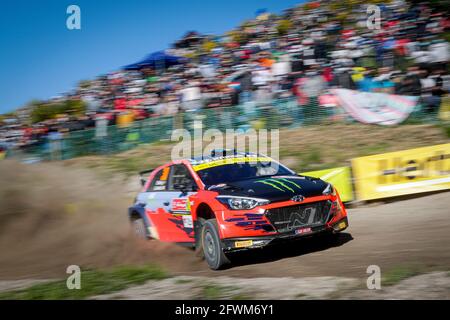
(212, 246)
(331, 238)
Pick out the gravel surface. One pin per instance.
(435, 285)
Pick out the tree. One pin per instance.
(84, 84)
(42, 111)
(75, 107)
(283, 27)
(208, 45)
(238, 36)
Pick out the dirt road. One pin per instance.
(412, 232)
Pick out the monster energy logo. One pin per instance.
(280, 184)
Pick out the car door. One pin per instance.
(148, 200)
(168, 208)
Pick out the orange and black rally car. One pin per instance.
(233, 201)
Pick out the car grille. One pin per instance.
(286, 219)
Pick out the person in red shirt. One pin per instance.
(120, 103)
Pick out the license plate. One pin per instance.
(303, 230)
(243, 244)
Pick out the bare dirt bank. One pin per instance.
(52, 217)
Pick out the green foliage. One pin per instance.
(43, 110)
(398, 274)
(7, 115)
(238, 36)
(92, 283)
(84, 84)
(284, 26)
(214, 292)
(75, 107)
(208, 45)
(446, 128)
(446, 36)
(310, 159)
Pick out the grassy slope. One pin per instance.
(304, 149)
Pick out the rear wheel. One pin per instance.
(139, 228)
(331, 238)
(212, 246)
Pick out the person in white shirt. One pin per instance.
(191, 96)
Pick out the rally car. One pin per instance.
(232, 201)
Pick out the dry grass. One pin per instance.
(303, 149)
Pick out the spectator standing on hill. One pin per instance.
(191, 96)
(312, 86)
(440, 53)
(54, 137)
(383, 82)
(430, 89)
(410, 85)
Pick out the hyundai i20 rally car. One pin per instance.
(232, 201)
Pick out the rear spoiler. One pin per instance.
(143, 175)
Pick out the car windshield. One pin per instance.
(240, 171)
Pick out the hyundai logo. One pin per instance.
(298, 198)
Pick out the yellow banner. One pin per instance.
(402, 172)
(339, 177)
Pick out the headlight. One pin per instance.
(241, 203)
(329, 190)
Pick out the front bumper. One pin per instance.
(245, 243)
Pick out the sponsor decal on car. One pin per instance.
(201, 165)
(342, 225)
(281, 184)
(187, 221)
(303, 230)
(180, 204)
(165, 174)
(243, 244)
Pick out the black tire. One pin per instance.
(331, 238)
(139, 228)
(212, 246)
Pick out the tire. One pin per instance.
(212, 246)
(139, 228)
(331, 238)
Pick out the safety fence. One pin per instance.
(280, 113)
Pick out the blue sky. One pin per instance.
(41, 58)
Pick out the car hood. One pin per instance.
(275, 188)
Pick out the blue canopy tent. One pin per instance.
(158, 60)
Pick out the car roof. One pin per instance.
(220, 154)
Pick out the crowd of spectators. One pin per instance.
(300, 54)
